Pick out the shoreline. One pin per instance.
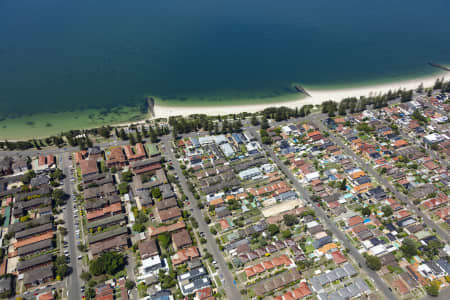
(317, 96)
(18, 129)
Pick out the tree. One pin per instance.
(123, 136)
(129, 285)
(108, 263)
(164, 240)
(104, 131)
(58, 196)
(366, 211)
(417, 115)
(264, 123)
(127, 176)
(433, 288)
(61, 267)
(343, 184)
(86, 276)
(409, 247)
(420, 88)
(286, 234)
(254, 120)
(123, 188)
(373, 262)
(290, 220)
(28, 176)
(156, 193)
(387, 210)
(132, 139)
(90, 293)
(273, 229)
(57, 174)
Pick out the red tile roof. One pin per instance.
(338, 257)
(355, 221)
(34, 239)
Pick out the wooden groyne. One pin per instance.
(151, 106)
(301, 90)
(439, 66)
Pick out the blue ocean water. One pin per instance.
(64, 55)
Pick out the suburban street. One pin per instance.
(74, 278)
(130, 272)
(367, 168)
(229, 286)
(330, 224)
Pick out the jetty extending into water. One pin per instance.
(439, 66)
(301, 89)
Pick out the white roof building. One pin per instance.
(220, 139)
(312, 176)
(227, 149)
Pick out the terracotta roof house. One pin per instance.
(431, 165)
(104, 292)
(204, 294)
(35, 248)
(166, 204)
(116, 243)
(38, 276)
(135, 154)
(107, 211)
(338, 257)
(148, 248)
(169, 214)
(361, 227)
(115, 239)
(400, 143)
(181, 239)
(185, 255)
(108, 189)
(34, 239)
(46, 296)
(216, 202)
(115, 158)
(147, 165)
(79, 156)
(355, 220)
(400, 286)
(88, 167)
(155, 231)
(35, 262)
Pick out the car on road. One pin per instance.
(80, 257)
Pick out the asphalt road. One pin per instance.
(229, 286)
(57, 151)
(330, 224)
(74, 278)
(131, 275)
(367, 168)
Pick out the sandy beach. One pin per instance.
(38, 126)
(317, 96)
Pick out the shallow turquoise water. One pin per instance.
(62, 55)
